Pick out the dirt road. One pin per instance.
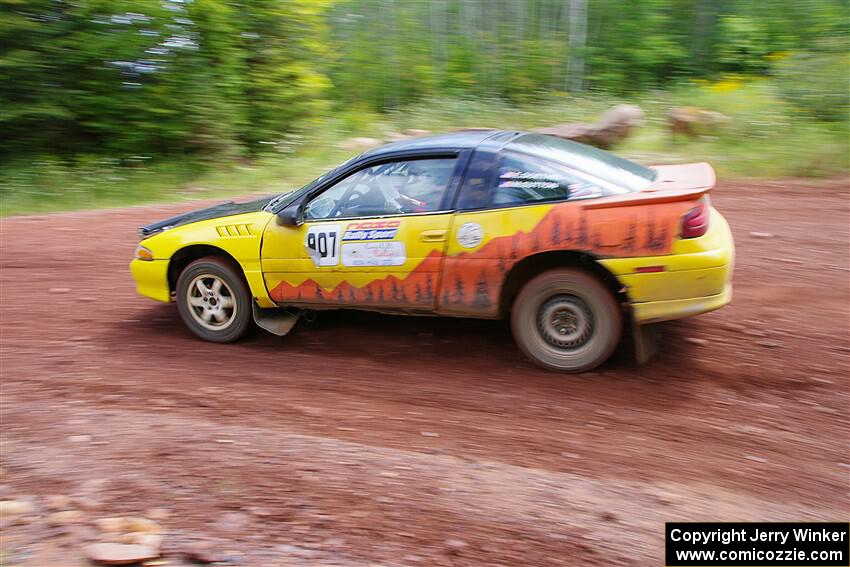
(363, 439)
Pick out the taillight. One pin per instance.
(695, 222)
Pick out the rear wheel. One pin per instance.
(213, 300)
(566, 320)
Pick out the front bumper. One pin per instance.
(695, 278)
(151, 278)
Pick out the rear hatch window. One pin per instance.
(628, 175)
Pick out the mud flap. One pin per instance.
(276, 321)
(645, 339)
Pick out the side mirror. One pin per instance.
(291, 215)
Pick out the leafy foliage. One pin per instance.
(766, 137)
(93, 85)
(816, 81)
(145, 76)
(394, 52)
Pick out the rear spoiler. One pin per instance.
(673, 183)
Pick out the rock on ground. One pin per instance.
(119, 554)
(615, 125)
(693, 122)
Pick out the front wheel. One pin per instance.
(566, 320)
(213, 300)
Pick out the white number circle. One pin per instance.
(470, 235)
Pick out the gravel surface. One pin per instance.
(365, 439)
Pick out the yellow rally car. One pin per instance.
(570, 242)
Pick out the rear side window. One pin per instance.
(524, 179)
(623, 175)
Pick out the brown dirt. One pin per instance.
(365, 438)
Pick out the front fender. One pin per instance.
(239, 236)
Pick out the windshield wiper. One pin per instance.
(277, 199)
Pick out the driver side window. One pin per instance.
(401, 187)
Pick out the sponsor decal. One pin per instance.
(361, 254)
(530, 184)
(371, 230)
(470, 235)
(511, 174)
(534, 181)
(527, 180)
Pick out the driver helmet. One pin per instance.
(430, 172)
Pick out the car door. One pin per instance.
(373, 239)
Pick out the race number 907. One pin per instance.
(322, 243)
(319, 243)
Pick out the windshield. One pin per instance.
(604, 165)
(288, 196)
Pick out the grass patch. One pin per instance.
(765, 137)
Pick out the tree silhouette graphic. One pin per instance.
(458, 290)
(631, 236)
(653, 241)
(596, 238)
(583, 237)
(429, 290)
(482, 291)
(568, 230)
(659, 242)
(556, 230)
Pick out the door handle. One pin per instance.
(433, 236)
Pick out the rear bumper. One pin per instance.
(695, 279)
(151, 278)
(657, 311)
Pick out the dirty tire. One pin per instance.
(566, 320)
(213, 300)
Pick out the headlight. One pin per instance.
(143, 253)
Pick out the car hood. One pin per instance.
(216, 211)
